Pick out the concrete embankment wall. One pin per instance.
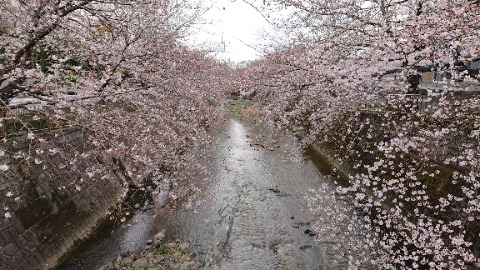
(52, 196)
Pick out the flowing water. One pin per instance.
(252, 212)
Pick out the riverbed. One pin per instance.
(250, 210)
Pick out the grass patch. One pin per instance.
(55, 208)
(162, 249)
(3, 31)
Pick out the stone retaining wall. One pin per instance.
(53, 194)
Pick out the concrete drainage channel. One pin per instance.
(53, 206)
(252, 214)
(136, 242)
(127, 230)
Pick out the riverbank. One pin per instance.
(158, 256)
(55, 192)
(401, 195)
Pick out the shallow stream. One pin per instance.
(251, 213)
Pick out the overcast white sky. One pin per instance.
(238, 24)
(241, 27)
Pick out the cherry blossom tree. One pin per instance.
(408, 151)
(351, 80)
(115, 69)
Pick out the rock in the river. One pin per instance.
(187, 265)
(127, 260)
(160, 235)
(184, 247)
(141, 263)
(175, 255)
(304, 247)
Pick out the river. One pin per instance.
(251, 213)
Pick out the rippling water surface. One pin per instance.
(252, 212)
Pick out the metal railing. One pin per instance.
(17, 121)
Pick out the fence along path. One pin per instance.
(19, 120)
